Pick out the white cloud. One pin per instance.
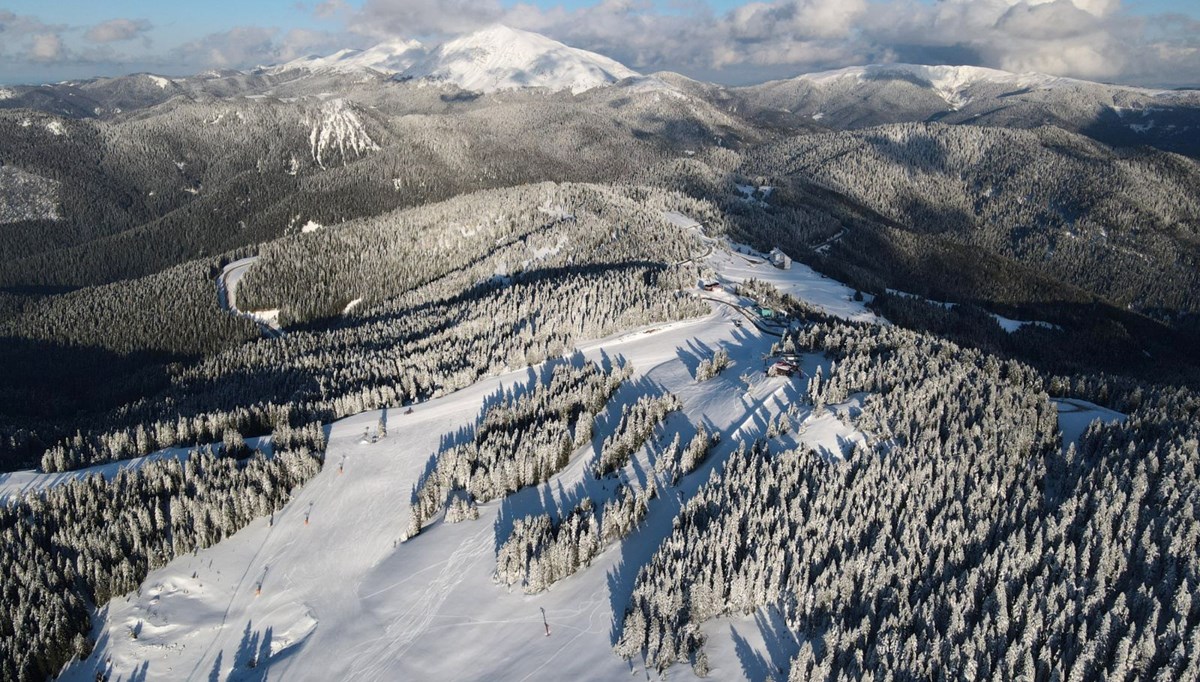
(1095, 7)
(1085, 38)
(46, 47)
(408, 18)
(245, 46)
(117, 30)
(331, 8)
(1097, 39)
(768, 38)
(27, 39)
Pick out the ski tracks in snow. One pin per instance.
(233, 596)
(597, 602)
(414, 621)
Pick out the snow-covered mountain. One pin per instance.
(864, 96)
(947, 75)
(951, 83)
(502, 58)
(391, 56)
(491, 59)
(957, 86)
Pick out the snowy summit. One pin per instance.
(940, 76)
(502, 58)
(951, 83)
(391, 56)
(491, 59)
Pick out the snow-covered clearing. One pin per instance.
(758, 193)
(800, 281)
(1075, 416)
(680, 220)
(325, 590)
(342, 600)
(161, 82)
(1010, 325)
(227, 284)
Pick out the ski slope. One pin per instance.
(343, 599)
(326, 589)
(800, 281)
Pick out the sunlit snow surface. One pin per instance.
(325, 591)
(800, 281)
(391, 56)
(352, 604)
(337, 131)
(501, 58)
(951, 83)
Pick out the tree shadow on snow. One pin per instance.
(780, 643)
(214, 675)
(539, 499)
(754, 664)
(691, 356)
(534, 378)
(141, 673)
(253, 657)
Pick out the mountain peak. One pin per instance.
(944, 75)
(390, 56)
(949, 82)
(500, 57)
(503, 32)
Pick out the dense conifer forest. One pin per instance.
(966, 539)
(92, 539)
(512, 286)
(520, 441)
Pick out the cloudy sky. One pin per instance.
(1149, 42)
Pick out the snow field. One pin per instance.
(343, 599)
(326, 590)
(1075, 416)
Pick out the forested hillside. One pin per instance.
(880, 94)
(168, 184)
(320, 373)
(966, 540)
(511, 277)
(1123, 226)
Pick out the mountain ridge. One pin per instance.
(389, 56)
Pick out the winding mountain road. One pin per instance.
(227, 284)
